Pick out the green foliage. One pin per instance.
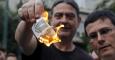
(86, 45)
(11, 43)
(112, 6)
(13, 20)
(103, 5)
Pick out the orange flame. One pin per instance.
(49, 36)
(45, 16)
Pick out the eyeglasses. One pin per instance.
(68, 15)
(103, 31)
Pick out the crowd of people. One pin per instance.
(99, 27)
(4, 55)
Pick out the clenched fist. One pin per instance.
(31, 10)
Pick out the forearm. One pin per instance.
(24, 38)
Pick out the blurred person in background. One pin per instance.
(11, 56)
(3, 53)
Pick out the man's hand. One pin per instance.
(30, 11)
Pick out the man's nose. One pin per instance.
(100, 39)
(64, 19)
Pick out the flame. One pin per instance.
(49, 39)
(58, 28)
(49, 36)
(45, 16)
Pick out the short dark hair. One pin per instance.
(3, 50)
(94, 16)
(70, 2)
(11, 54)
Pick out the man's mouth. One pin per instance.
(103, 47)
(65, 29)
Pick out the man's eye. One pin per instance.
(70, 16)
(58, 16)
(105, 31)
(93, 35)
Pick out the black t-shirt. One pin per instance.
(51, 53)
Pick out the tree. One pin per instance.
(106, 4)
